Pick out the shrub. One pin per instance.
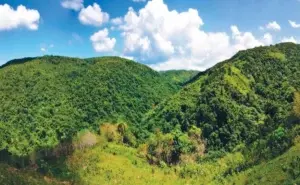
(85, 139)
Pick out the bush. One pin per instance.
(85, 139)
(118, 133)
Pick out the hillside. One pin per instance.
(48, 99)
(114, 121)
(239, 101)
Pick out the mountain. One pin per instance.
(245, 99)
(48, 99)
(113, 121)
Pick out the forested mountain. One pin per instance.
(48, 99)
(236, 123)
(243, 100)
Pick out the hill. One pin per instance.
(246, 99)
(45, 100)
(236, 123)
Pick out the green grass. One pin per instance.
(277, 55)
(237, 80)
(111, 164)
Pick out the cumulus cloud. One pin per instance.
(93, 15)
(72, 4)
(294, 24)
(267, 39)
(101, 41)
(21, 17)
(289, 39)
(273, 26)
(175, 40)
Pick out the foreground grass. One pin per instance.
(116, 164)
(110, 164)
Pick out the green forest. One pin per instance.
(110, 120)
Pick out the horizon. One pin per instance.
(134, 29)
(7, 63)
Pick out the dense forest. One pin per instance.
(49, 99)
(114, 121)
(242, 101)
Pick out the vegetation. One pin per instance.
(12, 176)
(113, 121)
(243, 100)
(49, 99)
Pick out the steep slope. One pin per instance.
(239, 101)
(47, 99)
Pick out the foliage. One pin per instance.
(175, 147)
(232, 124)
(49, 99)
(239, 101)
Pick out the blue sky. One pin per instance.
(164, 34)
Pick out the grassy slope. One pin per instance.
(115, 164)
(110, 164)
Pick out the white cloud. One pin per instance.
(101, 41)
(117, 21)
(175, 40)
(93, 15)
(43, 49)
(294, 24)
(289, 39)
(72, 4)
(267, 39)
(273, 26)
(21, 17)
